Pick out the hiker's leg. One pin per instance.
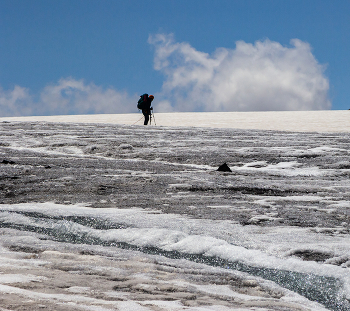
(146, 118)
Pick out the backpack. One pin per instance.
(141, 101)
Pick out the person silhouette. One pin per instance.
(144, 104)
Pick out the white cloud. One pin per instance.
(252, 77)
(70, 96)
(67, 96)
(15, 102)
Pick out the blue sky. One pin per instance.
(97, 56)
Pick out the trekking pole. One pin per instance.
(137, 121)
(154, 119)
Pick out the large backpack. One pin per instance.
(141, 101)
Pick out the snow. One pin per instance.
(107, 216)
(303, 121)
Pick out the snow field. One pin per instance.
(296, 121)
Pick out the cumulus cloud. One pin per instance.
(15, 102)
(70, 96)
(67, 96)
(252, 77)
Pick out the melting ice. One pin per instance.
(115, 217)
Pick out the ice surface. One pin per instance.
(117, 217)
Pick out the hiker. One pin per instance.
(144, 104)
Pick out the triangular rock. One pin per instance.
(224, 168)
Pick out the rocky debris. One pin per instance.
(224, 168)
(311, 255)
(8, 162)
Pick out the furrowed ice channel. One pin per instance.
(112, 217)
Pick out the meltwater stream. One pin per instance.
(324, 290)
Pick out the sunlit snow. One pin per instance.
(299, 121)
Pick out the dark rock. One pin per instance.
(7, 162)
(224, 168)
(312, 255)
(25, 249)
